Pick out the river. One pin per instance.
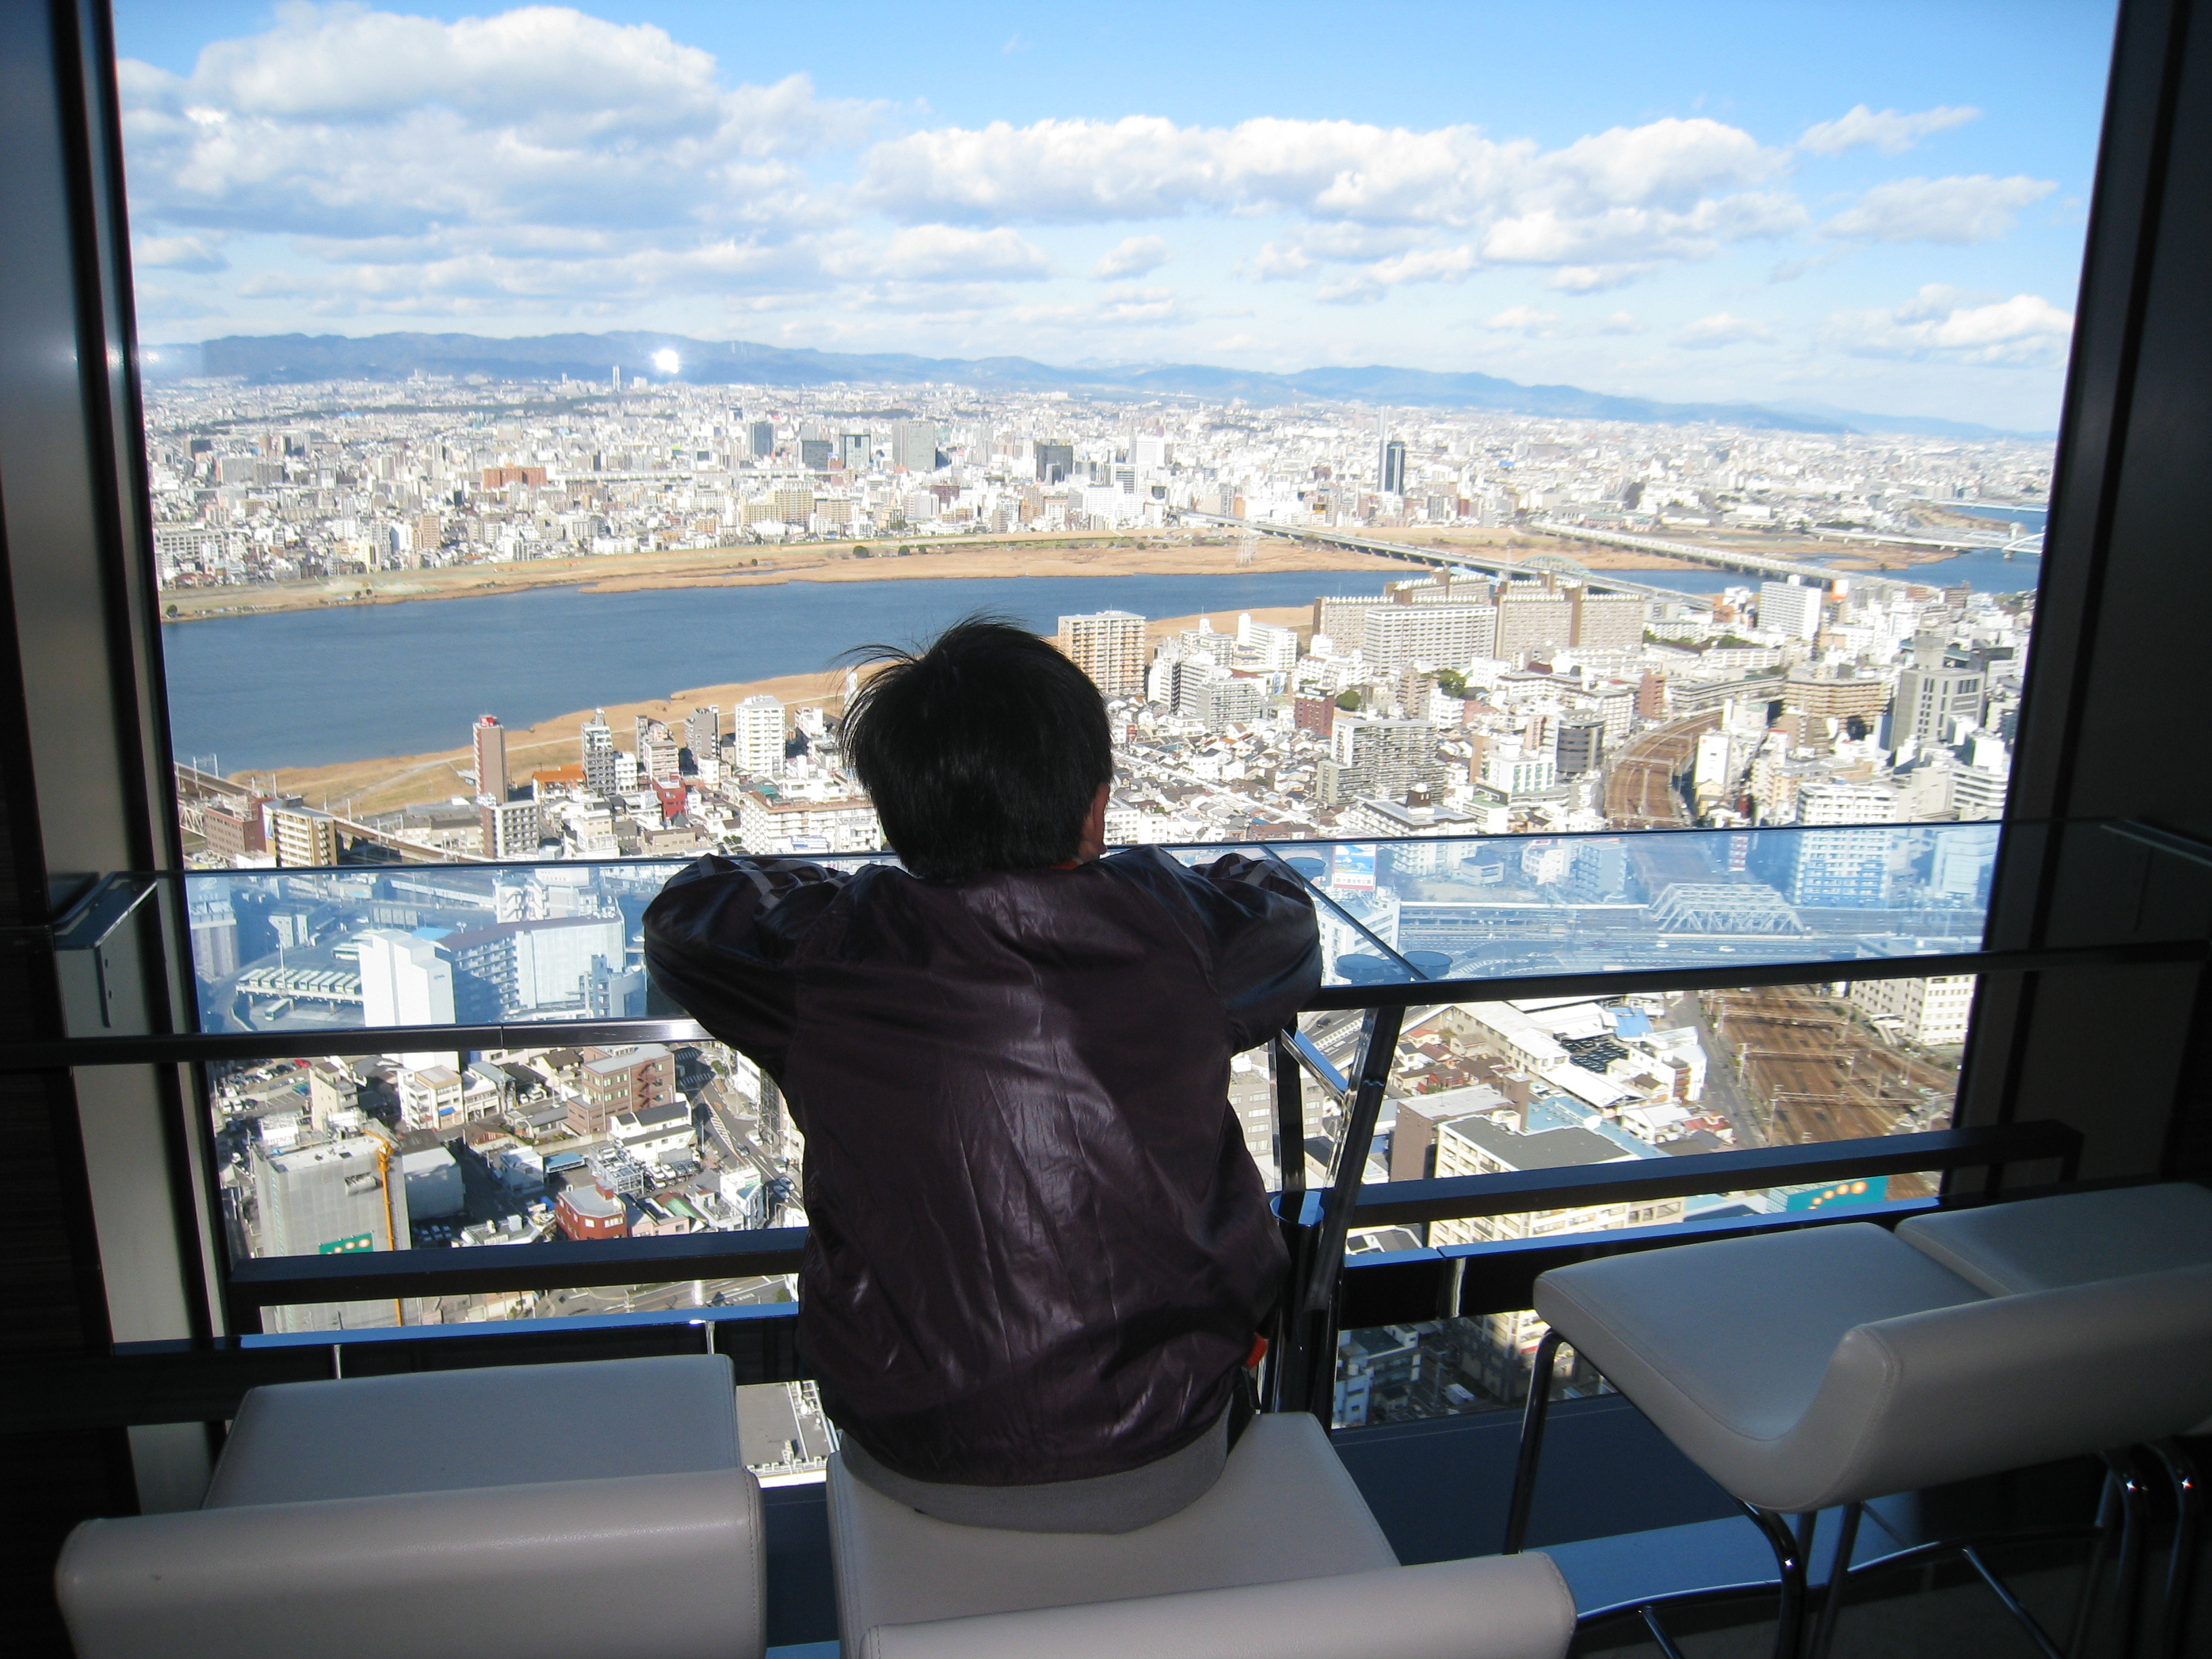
(313, 687)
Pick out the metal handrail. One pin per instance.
(187, 1048)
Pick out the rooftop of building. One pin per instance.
(1553, 1149)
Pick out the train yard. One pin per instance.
(1812, 1068)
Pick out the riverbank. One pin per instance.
(384, 785)
(1174, 554)
(1105, 553)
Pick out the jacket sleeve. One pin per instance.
(1266, 945)
(721, 941)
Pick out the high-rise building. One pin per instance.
(1605, 622)
(511, 828)
(301, 836)
(1790, 608)
(703, 734)
(489, 738)
(1396, 636)
(1932, 1012)
(756, 749)
(660, 756)
(761, 438)
(329, 1198)
(1226, 700)
(914, 445)
(405, 980)
(1390, 468)
(1384, 758)
(1266, 647)
(1931, 701)
(855, 450)
(1580, 746)
(1109, 646)
(1534, 619)
(1843, 869)
(1055, 463)
(598, 755)
(814, 454)
(533, 966)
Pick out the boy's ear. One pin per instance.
(1093, 840)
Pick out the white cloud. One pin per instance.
(1523, 319)
(539, 134)
(1310, 247)
(940, 252)
(1130, 304)
(1426, 264)
(1940, 324)
(1132, 257)
(1708, 333)
(1596, 279)
(1532, 324)
(1670, 189)
(1979, 209)
(1889, 130)
(194, 254)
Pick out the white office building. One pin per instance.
(1790, 608)
(405, 980)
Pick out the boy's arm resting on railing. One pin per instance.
(719, 941)
(1266, 956)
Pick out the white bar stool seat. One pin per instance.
(2075, 1239)
(1837, 1363)
(482, 1514)
(2082, 1238)
(1284, 1515)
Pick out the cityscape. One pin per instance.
(1523, 677)
(1475, 743)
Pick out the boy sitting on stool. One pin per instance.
(1037, 1249)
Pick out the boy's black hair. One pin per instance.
(983, 750)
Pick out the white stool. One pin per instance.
(448, 1515)
(1281, 1556)
(2080, 1238)
(1830, 1365)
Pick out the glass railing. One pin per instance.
(294, 954)
(448, 1062)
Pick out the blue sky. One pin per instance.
(1878, 206)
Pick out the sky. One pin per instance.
(1875, 206)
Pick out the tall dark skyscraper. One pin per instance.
(1055, 462)
(1393, 468)
(763, 438)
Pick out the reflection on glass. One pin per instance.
(469, 1150)
(314, 950)
(1522, 906)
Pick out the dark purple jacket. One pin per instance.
(1038, 1249)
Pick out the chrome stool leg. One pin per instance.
(2135, 1526)
(2108, 1517)
(1531, 1443)
(1790, 1614)
(1839, 1575)
(2181, 1565)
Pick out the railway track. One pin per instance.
(1813, 1070)
(1640, 788)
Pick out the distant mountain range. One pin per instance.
(300, 357)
